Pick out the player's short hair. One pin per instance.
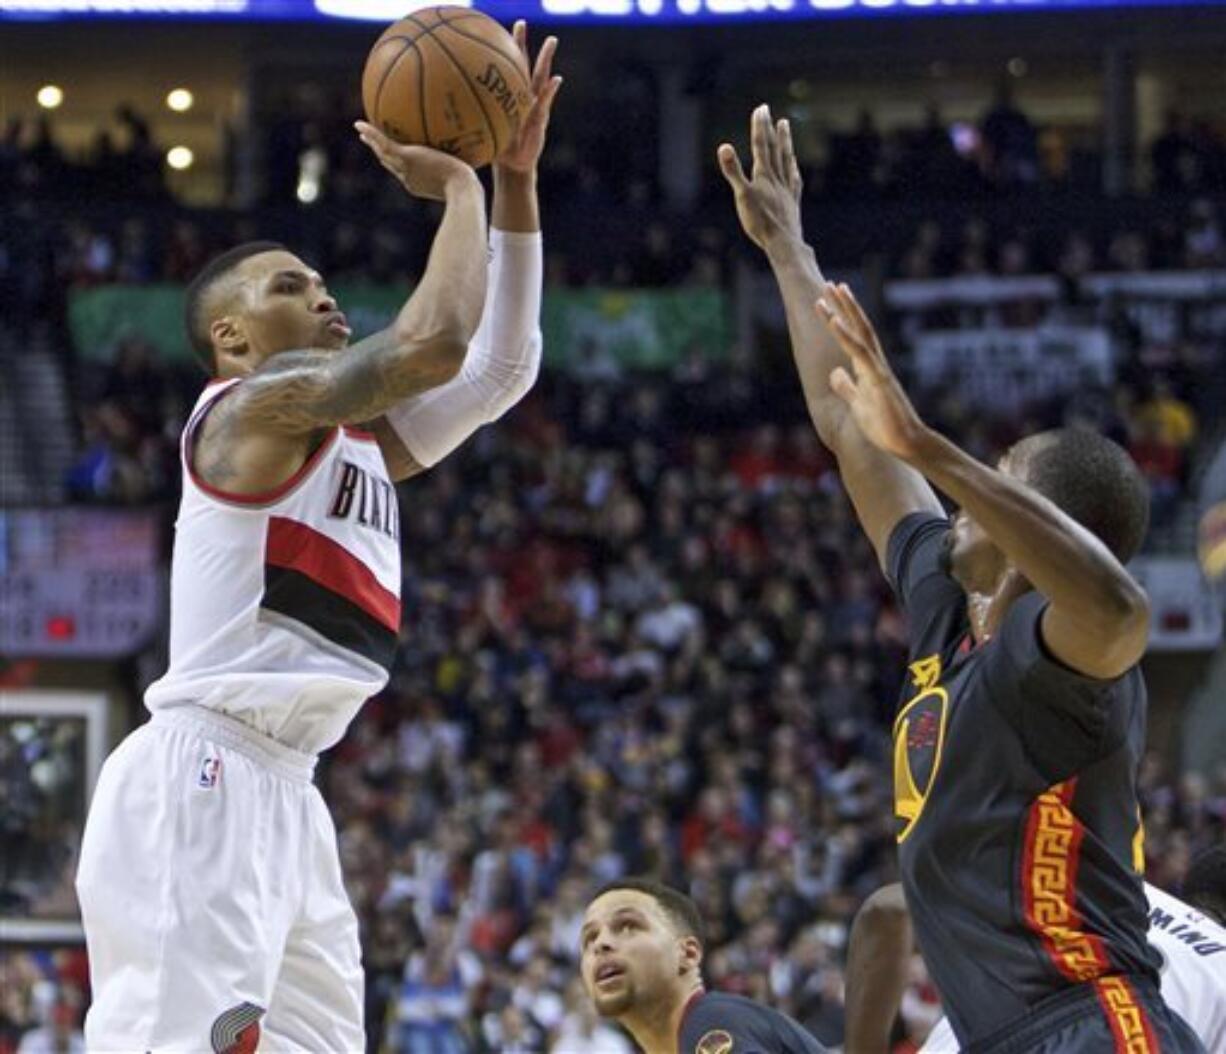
(1091, 479)
(199, 288)
(1204, 886)
(682, 912)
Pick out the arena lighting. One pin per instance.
(180, 100)
(180, 158)
(50, 96)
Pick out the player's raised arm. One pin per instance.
(1097, 618)
(504, 356)
(882, 488)
(297, 393)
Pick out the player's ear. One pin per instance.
(228, 336)
(690, 959)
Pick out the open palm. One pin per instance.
(524, 150)
(871, 390)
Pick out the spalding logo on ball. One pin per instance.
(450, 78)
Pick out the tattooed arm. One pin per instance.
(258, 436)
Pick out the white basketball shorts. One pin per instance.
(211, 893)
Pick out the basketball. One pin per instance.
(449, 78)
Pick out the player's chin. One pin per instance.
(613, 1003)
(333, 340)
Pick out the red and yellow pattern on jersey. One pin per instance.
(1127, 1018)
(1049, 885)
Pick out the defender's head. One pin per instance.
(257, 300)
(1204, 886)
(641, 945)
(1082, 473)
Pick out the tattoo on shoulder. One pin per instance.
(212, 448)
(300, 391)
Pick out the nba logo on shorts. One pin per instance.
(210, 772)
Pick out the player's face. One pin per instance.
(971, 555)
(974, 559)
(286, 306)
(630, 953)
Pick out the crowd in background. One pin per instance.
(609, 221)
(643, 633)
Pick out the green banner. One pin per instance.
(583, 329)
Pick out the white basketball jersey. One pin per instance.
(1193, 950)
(285, 606)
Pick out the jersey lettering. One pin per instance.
(376, 501)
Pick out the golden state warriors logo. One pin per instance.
(919, 736)
(715, 1042)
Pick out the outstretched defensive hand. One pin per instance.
(874, 396)
(524, 151)
(768, 202)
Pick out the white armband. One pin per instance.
(503, 360)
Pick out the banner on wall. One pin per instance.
(581, 328)
(1000, 368)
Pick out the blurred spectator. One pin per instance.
(581, 1028)
(1010, 143)
(432, 1006)
(1173, 157)
(1172, 420)
(61, 1035)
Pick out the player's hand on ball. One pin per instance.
(876, 400)
(523, 152)
(423, 171)
(768, 202)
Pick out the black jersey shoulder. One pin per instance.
(721, 1023)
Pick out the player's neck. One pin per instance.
(657, 1027)
(988, 610)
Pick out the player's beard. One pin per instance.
(615, 1004)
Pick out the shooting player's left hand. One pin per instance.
(524, 151)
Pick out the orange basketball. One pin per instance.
(449, 78)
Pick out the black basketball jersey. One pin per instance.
(1016, 802)
(719, 1023)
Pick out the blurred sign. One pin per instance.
(632, 328)
(598, 11)
(1164, 305)
(79, 582)
(1003, 368)
(970, 291)
(1183, 612)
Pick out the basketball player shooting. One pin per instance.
(1017, 742)
(209, 880)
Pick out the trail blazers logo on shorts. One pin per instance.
(237, 1031)
(716, 1041)
(919, 736)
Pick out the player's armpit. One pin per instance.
(298, 392)
(401, 464)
